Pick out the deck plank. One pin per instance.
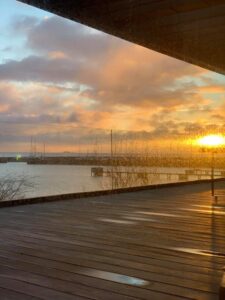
(57, 250)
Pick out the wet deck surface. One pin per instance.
(158, 244)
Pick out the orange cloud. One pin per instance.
(57, 55)
(214, 89)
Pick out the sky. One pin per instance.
(65, 84)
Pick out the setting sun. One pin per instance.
(211, 140)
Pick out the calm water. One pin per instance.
(62, 179)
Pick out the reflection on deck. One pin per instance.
(108, 248)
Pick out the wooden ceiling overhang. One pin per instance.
(189, 30)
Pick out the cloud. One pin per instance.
(41, 69)
(79, 83)
(116, 72)
(8, 98)
(73, 39)
(36, 104)
(214, 89)
(57, 55)
(23, 24)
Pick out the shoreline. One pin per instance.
(120, 161)
(70, 196)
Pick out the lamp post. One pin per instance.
(213, 152)
(212, 173)
(212, 144)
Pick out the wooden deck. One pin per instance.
(157, 244)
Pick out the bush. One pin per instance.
(14, 188)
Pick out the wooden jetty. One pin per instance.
(162, 244)
(188, 174)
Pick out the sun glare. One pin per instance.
(211, 141)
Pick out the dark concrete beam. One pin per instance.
(190, 30)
